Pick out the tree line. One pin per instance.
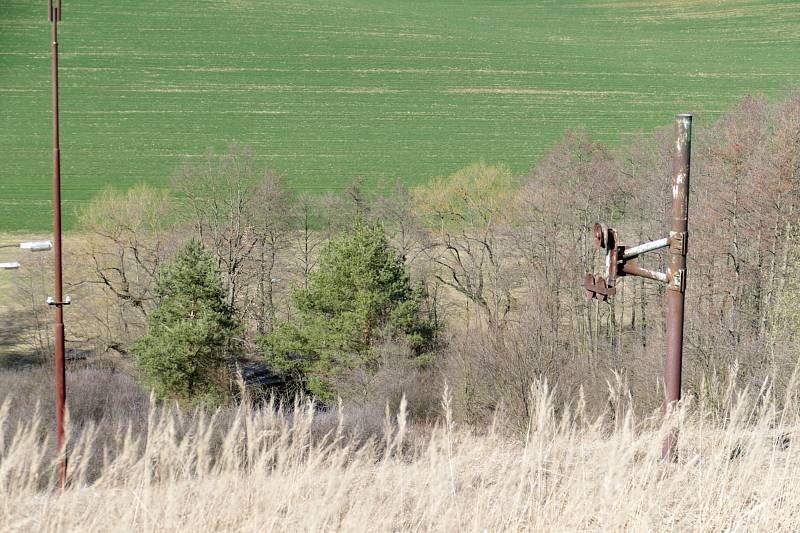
(473, 278)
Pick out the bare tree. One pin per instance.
(466, 213)
(732, 212)
(272, 220)
(573, 187)
(219, 197)
(314, 229)
(128, 237)
(394, 207)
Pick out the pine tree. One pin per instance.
(191, 334)
(359, 295)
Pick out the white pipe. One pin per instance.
(635, 251)
(36, 246)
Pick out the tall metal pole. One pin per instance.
(676, 271)
(54, 15)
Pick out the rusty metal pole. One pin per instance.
(54, 15)
(676, 272)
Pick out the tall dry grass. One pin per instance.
(295, 469)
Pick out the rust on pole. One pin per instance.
(54, 15)
(676, 270)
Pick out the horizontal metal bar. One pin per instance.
(33, 246)
(36, 246)
(632, 269)
(635, 251)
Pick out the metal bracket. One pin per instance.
(678, 242)
(620, 261)
(52, 301)
(678, 281)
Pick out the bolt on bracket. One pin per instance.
(678, 242)
(678, 281)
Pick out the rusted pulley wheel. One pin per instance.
(599, 236)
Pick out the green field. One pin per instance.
(325, 91)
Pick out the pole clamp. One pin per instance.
(678, 242)
(52, 301)
(677, 281)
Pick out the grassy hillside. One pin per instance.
(326, 91)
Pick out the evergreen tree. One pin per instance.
(191, 334)
(359, 295)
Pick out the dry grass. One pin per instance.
(272, 470)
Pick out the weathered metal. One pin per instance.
(599, 236)
(33, 246)
(601, 287)
(612, 256)
(37, 246)
(620, 261)
(676, 270)
(636, 251)
(53, 10)
(54, 15)
(632, 269)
